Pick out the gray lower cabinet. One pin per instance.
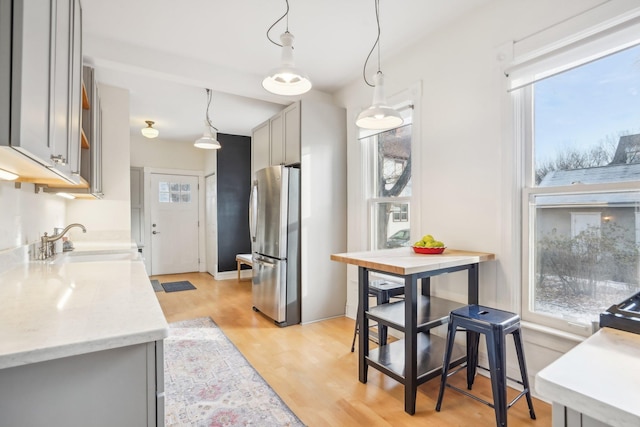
(40, 66)
(117, 387)
(567, 417)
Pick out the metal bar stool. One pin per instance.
(495, 325)
(383, 291)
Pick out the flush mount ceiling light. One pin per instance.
(379, 116)
(209, 139)
(286, 79)
(149, 131)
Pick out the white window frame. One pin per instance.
(407, 100)
(581, 47)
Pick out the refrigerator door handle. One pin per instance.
(253, 210)
(264, 263)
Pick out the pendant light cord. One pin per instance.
(286, 15)
(209, 98)
(377, 43)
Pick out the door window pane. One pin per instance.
(174, 192)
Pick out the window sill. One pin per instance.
(550, 338)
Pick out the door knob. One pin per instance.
(155, 232)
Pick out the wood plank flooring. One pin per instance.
(313, 370)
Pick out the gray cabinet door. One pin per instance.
(276, 126)
(75, 89)
(31, 69)
(292, 134)
(45, 83)
(260, 147)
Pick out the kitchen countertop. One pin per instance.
(599, 377)
(52, 309)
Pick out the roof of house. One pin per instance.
(624, 167)
(597, 175)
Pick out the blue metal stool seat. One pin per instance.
(495, 325)
(383, 291)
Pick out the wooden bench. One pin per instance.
(245, 259)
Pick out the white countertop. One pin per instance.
(51, 309)
(599, 377)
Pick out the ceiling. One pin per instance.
(166, 52)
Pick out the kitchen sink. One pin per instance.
(96, 256)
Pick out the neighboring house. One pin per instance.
(570, 214)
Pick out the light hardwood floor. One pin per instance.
(313, 370)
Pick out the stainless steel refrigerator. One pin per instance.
(275, 232)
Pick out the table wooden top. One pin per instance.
(404, 261)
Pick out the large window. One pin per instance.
(389, 175)
(581, 198)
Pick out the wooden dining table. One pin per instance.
(417, 357)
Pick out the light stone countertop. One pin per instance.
(599, 377)
(53, 309)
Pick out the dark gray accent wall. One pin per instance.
(234, 187)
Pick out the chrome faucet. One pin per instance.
(46, 242)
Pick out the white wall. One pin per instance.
(110, 217)
(163, 154)
(468, 199)
(25, 215)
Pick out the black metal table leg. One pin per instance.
(363, 322)
(410, 343)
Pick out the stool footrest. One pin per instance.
(515, 380)
(466, 393)
(522, 393)
(489, 404)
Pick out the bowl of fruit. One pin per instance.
(428, 245)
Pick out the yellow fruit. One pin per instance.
(428, 238)
(419, 244)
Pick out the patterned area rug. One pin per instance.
(208, 382)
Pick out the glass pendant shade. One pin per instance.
(287, 79)
(379, 116)
(149, 131)
(209, 140)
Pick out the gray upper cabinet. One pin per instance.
(292, 139)
(40, 67)
(277, 141)
(260, 155)
(276, 137)
(285, 136)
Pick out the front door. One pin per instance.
(174, 224)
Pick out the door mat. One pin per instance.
(184, 285)
(157, 287)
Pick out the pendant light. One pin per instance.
(286, 79)
(379, 116)
(149, 131)
(209, 140)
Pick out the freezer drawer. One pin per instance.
(269, 287)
